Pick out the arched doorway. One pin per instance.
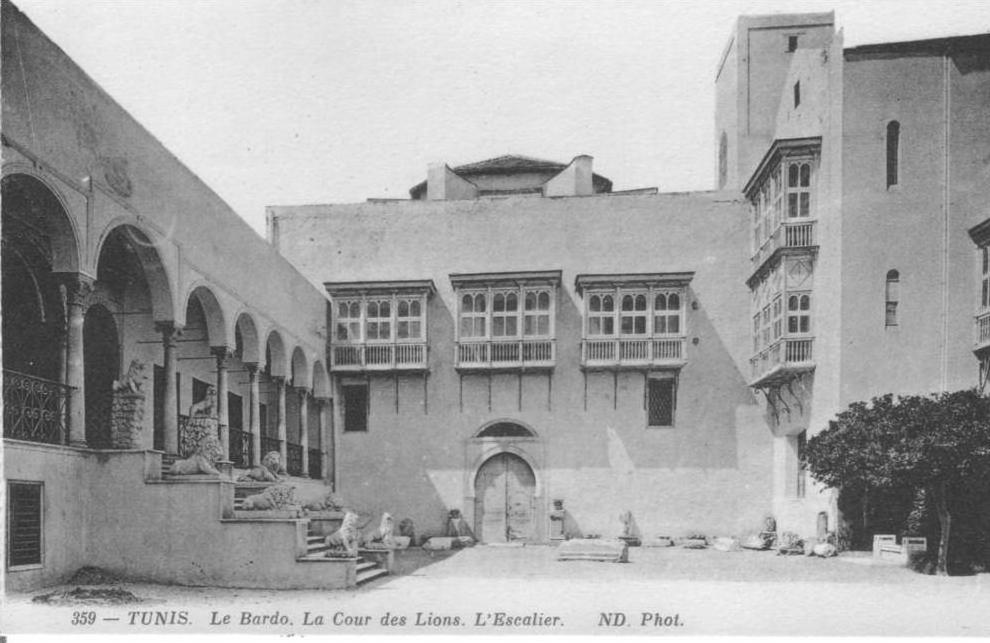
(503, 494)
(101, 360)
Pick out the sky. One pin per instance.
(283, 102)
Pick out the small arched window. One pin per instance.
(723, 160)
(892, 296)
(893, 152)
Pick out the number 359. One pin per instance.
(83, 618)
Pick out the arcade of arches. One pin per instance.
(68, 337)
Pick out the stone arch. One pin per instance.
(506, 428)
(22, 187)
(506, 495)
(300, 369)
(39, 242)
(150, 259)
(216, 327)
(321, 381)
(246, 339)
(275, 355)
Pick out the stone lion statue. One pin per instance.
(276, 497)
(382, 538)
(343, 543)
(133, 380)
(270, 469)
(194, 464)
(328, 501)
(207, 407)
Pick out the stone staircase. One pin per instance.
(367, 570)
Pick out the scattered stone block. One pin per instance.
(659, 541)
(602, 549)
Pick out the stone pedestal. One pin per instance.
(201, 437)
(126, 420)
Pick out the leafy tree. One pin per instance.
(938, 444)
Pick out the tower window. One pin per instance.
(893, 152)
(792, 44)
(797, 93)
(892, 297)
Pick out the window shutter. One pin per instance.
(23, 524)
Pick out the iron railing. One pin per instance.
(240, 448)
(34, 409)
(294, 455)
(315, 464)
(270, 444)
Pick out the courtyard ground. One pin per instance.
(524, 590)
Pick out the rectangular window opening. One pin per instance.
(355, 407)
(802, 477)
(24, 528)
(661, 401)
(797, 93)
(792, 44)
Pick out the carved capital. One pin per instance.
(278, 379)
(222, 354)
(252, 369)
(170, 332)
(77, 289)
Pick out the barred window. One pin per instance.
(24, 527)
(661, 401)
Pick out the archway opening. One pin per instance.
(504, 508)
(505, 430)
(101, 358)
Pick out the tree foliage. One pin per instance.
(938, 444)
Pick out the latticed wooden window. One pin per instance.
(661, 401)
(349, 321)
(505, 315)
(409, 319)
(536, 319)
(378, 323)
(798, 190)
(633, 317)
(24, 512)
(667, 314)
(799, 314)
(601, 315)
(474, 315)
(985, 293)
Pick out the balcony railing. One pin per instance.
(789, 234)
(240, 448)
(379, 357)
(34, 408)
(506, 354)
(787, 355)
(632, 353)
(983, 330)
(315, 464)
(294, 456)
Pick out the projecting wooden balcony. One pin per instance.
(794, 234)
(399, 356)
(505, 354)
(982, 332)
(781, 360)
(657, 352)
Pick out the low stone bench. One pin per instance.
(606, 550)
(885, 547)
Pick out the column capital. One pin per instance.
(76, 288)
(169, 330)
(304, 393)
(252, 368)
(278, 379)
(222, 353)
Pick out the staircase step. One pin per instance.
(370, 575)
(366, 565)
(313, 549)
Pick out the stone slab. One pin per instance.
(605, 550)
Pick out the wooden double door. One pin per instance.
(503, 497)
